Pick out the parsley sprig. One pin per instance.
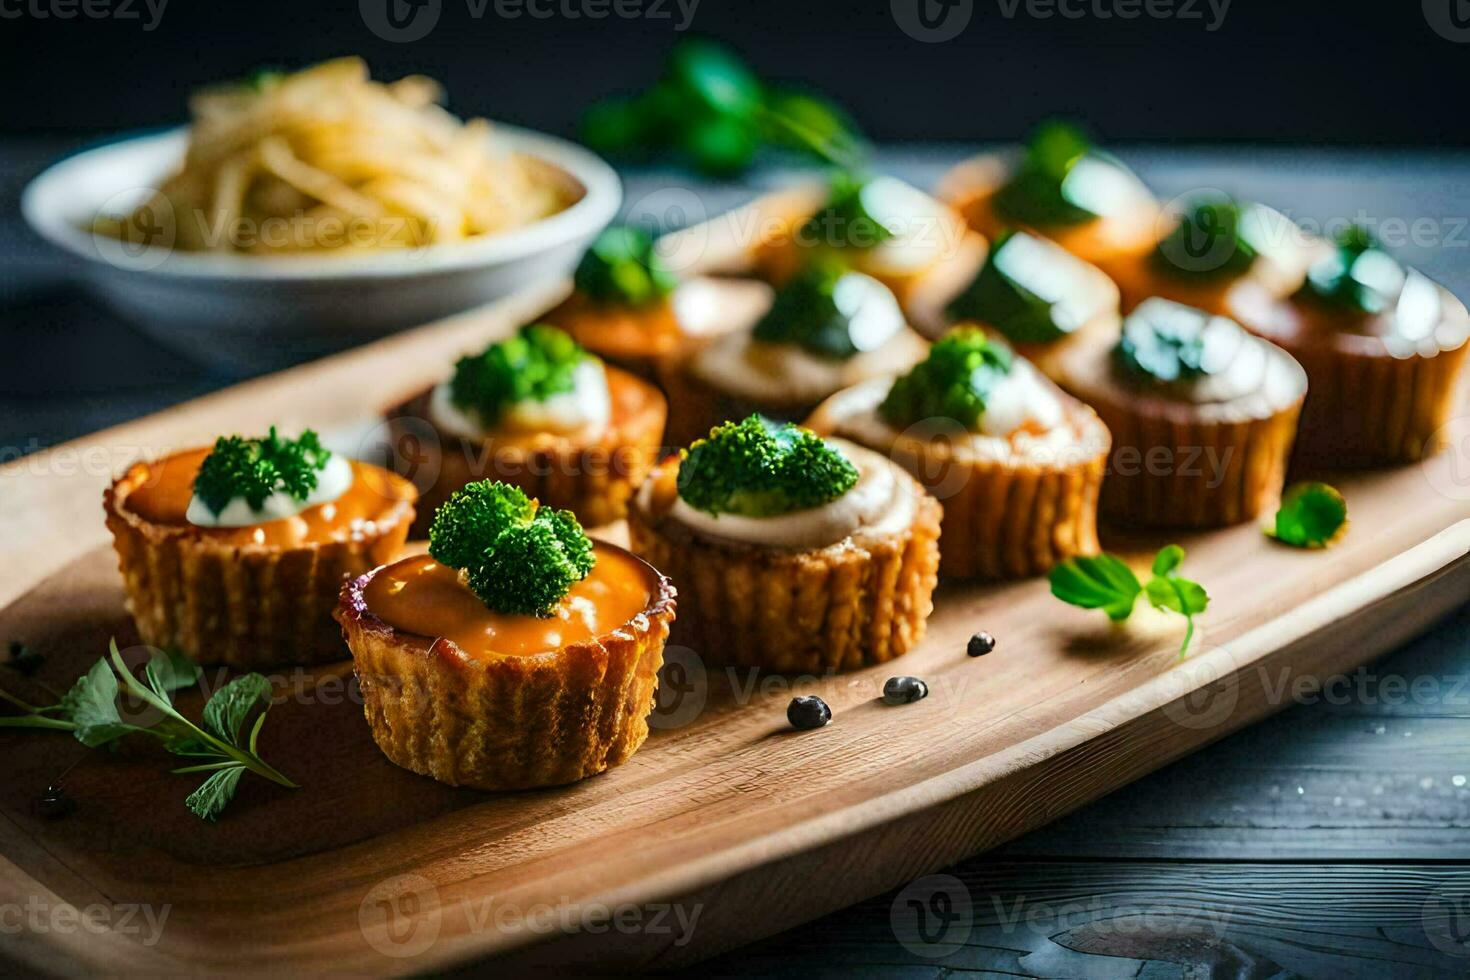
(254, 469)
(222, 744)
(1105, 582)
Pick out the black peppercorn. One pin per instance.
(23, 658)
(54, 803)
(904, 690)
(807, 712)
(980, 644)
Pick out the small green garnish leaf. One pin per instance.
(1311, 515)
(227, 711)
(1019, 290)
(623, 268)
(254, 469)
(1035, 194)
(1210, 240)
(1097, 582)
(711, 109)
(831, 311)
(1105, 582)
(533, 364)
(89, 711)
(519, 558)
(1359, 275)
(169, 671)
(953, 382)
(214, 794)
(759, 468)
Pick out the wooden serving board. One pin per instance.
(727, 825)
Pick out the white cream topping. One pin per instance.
(880, 501)
(332, 481)
(585, 410)
(786, 374)
(1234, 362)
(1077, 291)
(925, 230)
(708, 307)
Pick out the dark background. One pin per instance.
(1358, 72)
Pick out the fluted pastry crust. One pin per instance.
(592, 480)
(1181, 464)
(249, 607)
(512, 722)
(862, 601)
(1004, 517)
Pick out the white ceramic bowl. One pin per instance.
(251, 313)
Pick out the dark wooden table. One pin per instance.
(1330, 841)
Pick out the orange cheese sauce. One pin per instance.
(163, 498)
(419, 595)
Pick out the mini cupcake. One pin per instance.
(538, 411)
(1383, 346)
(1033, 293)
(879, 226)
(235, 554)
(1202, 415)
(1062, 188)
(1215, 245)
(796, 554)
(630, 310)
(1016, 463)
(517, 653)
(830, 327)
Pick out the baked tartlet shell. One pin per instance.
(247, 607)
(1007, 519)
(862, 601)
(510, 722)
(592, 481)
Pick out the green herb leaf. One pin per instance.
(215, 793)
(254, 469)
(1105, 582)
(532, 365)
(760, 468)
(518, 558)
(623, 268)
(1311, 515)
(91, 705)
(831, 311)
(231, 705)
(1097, 582)
(952, 383)
(169, 671)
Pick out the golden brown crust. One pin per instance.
(635, 340)
(509, 722)
(695, 407)
(1366, 405)
(1005, 518)
(593, 481)
(249, 607)
(860, 602)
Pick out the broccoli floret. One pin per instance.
(1208, 242)
(623, 268)
(760, 468)
(998, 296)
(532, 365)
(256, 468)
(1034, 195)
(1163, 342)
(1339, 280)
(846, 221)
(831, 311)
(518, 558)
(953, 382)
